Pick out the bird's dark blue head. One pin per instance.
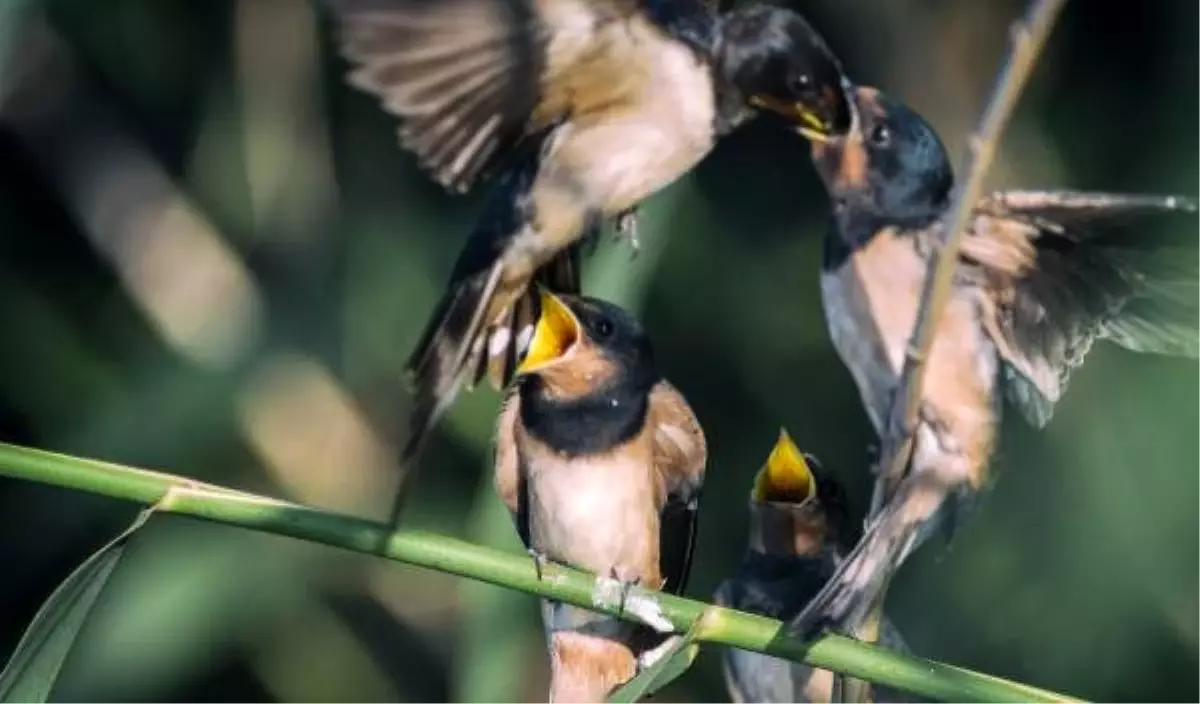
(890, 167)
(779, 63)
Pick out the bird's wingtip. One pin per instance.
(1188, 205)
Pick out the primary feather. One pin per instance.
(463, 75)
(1071, 268)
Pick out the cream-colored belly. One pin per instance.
(597, 515)
(871, 304)
(655, 132)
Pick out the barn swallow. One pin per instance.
(1041, 277)
(600, 460)
(585, 108)
(799, 529)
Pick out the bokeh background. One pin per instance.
(213, 260)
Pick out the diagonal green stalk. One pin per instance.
(1028, 36)
(186, 497)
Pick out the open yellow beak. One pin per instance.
(808, 123)
(556, 331)
(786, 476)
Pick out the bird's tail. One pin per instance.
(588, 668)
(590, 654)
(448, 346)
(479, 329)
(850, 594)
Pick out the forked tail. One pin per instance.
(466, 340)
(436, 367)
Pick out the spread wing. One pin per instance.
(680, 456)
(1064, 269)
(471, 79)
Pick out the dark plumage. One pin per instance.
(600, 461)
(799, 529)
(1041, 277)
(614, 411)
(584, 108)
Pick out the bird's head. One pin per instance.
(890, 163)
(781, 65)
(795, 509)
(582, 346)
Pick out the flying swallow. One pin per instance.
(584, 108)
(1041, 277)
(600, 460)
(799, 531)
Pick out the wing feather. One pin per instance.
(1065, 269)
(680, 456)
(473, 80)
(463, 75)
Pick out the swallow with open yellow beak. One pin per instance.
(600, 460)
(1041, 277)
(799, 531)
(583, 108)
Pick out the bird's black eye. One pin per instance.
(800, 83)
(604, 328)
(881, 136)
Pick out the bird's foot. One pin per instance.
(615, 592)
(539, 562)
(627, 227)
(627, 585)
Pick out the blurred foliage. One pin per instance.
(213, 259)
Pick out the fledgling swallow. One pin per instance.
(586, 108)
(1041, 277)
(799, 530)
(600, 460)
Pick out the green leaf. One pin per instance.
(673, 663)
(33, 669)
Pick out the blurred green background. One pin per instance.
(213, 260)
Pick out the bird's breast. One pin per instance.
(596, 513)
(871, 303)
(640, 121)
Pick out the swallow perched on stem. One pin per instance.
(1041, 276)
(600, 460)
(799, 530)
(585, 108)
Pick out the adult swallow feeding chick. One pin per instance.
(586, 107)
(1041, 277)
(799, 527)
(600, 460)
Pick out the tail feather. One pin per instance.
(588, 668)
(437, 364)
(427, 410)
(499, 363)
(472, 335)
(507, 340)
(849, 595)
(432, 337)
